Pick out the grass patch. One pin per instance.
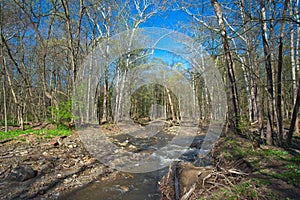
(262, 182)
(296, 159)
(277, 163)
(57, 132)
(237, 149)
(281, 154)
(268, 162)
(291, 174)
(13, 134)
(250, 189)
(43, 133)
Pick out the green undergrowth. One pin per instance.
(269, 163)
(9, 123)
(250, 189)
(42, 133)
(290, 172)
(245, 149)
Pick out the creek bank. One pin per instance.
(240, 170)
(36, 167)
(31, 168)
(61, 168)
(127, 186)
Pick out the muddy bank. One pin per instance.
(240, 170)
(31, 168)
(186, 181)
(34, 167)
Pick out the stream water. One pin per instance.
(126, 187)
(135, 186)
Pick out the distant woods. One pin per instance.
(154, 102)
(254, 44)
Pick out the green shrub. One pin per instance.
(63, 113)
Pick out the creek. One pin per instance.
(137, 186)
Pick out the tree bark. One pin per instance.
(269, 75)
(294, 117)
(297, 58)
(252, 63)
(4, 94)
(171, 104)
(71, 40)
(233, 108)
(279, 73)
(3, 62)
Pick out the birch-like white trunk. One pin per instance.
(296, 66)
(269, 74)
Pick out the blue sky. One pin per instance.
(171, 20)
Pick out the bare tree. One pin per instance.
(294, 117)
(269, 74)
(73, 35)
(233, 108)
(279, 75)
(3, 62)
(294, 11)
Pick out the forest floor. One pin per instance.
(39, 165)
(42, 165)
(241, 170)
(271, 172)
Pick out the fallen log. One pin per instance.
(181, 180)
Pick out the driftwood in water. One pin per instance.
(166, 185)
(181, 180)
(176, 184)
(185, 181)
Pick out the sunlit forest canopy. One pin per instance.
(253, 44)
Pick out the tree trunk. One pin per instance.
(4, 99)
(297, 59)
(233, 108)
(249, 92)
(269, 75)
(71, 40)
(294, 117)
(279, 73)
(15, 98)
(117, 98)
(171, 104)
(21, 116)
(3, 62)
(105, 98)
(252, 63)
